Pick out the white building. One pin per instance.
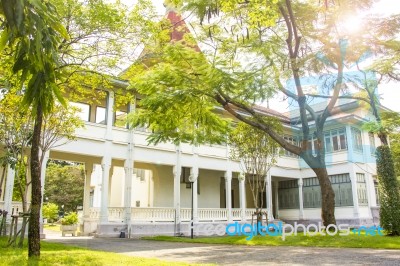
(135, 187)
(146, 186)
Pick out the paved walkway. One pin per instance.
(233, 255)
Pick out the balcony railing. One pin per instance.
(165, 214)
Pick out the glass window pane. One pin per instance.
(343, 144)
(335, 143)
(100, 115)
(357, 145)
(372, 146)
(84, 110)
(120, 119)
(328, 143)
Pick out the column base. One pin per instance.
(88, 227)
(111, 230)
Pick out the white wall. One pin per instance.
(163, 186)
(210, 182)
(143, 191)
(116, 187)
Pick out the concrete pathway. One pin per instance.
(233, 255)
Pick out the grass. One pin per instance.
(52, 227)
(350, 241)
(59, 254)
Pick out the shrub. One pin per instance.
(50, 212)
(70, 219)
(389, 191)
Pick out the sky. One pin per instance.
(389, 92)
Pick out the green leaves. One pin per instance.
(389, 191)
(178, 102)
(33, 32)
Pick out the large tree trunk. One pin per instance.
(34, 224)
(327, 196)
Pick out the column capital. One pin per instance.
(241, 177)
(178, 148)
(106, 161)
(128, 163)
(176, 170)
(300, 182)
(228, 175)
(195, 149)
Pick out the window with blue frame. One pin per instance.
(357, 140)
(293, 140)
(335, 140)
(372, 147)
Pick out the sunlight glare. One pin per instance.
(352, 24)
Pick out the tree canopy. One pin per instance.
(249, 51)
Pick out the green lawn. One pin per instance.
(350, 241)
(52, 227)
(58, 254)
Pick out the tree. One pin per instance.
(31, 29)
(256, 156)
(249, 50)
(65, 185)
(16, 133)
(386, 125)
(48, 62)
(50, 212)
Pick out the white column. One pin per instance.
(128, 167)
(105, 166)
(228, 194)
(85, 227)
(110, 115)
(86, 192)
(242, 196)
(371, 190)
(177, 170)
(349, 143)
(353, 178)
(195, 173)
(8, 193)
(43, 181)
(276, 188)
(43, 168)
(270, 212)
(301, 211)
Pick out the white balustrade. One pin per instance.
(186, 214)
(153, 214)
(249, 213)
(165, 214)
(236, 214)
(94, 213)
(116, 214)
(216, 214)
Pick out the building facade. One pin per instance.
(143, 189)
